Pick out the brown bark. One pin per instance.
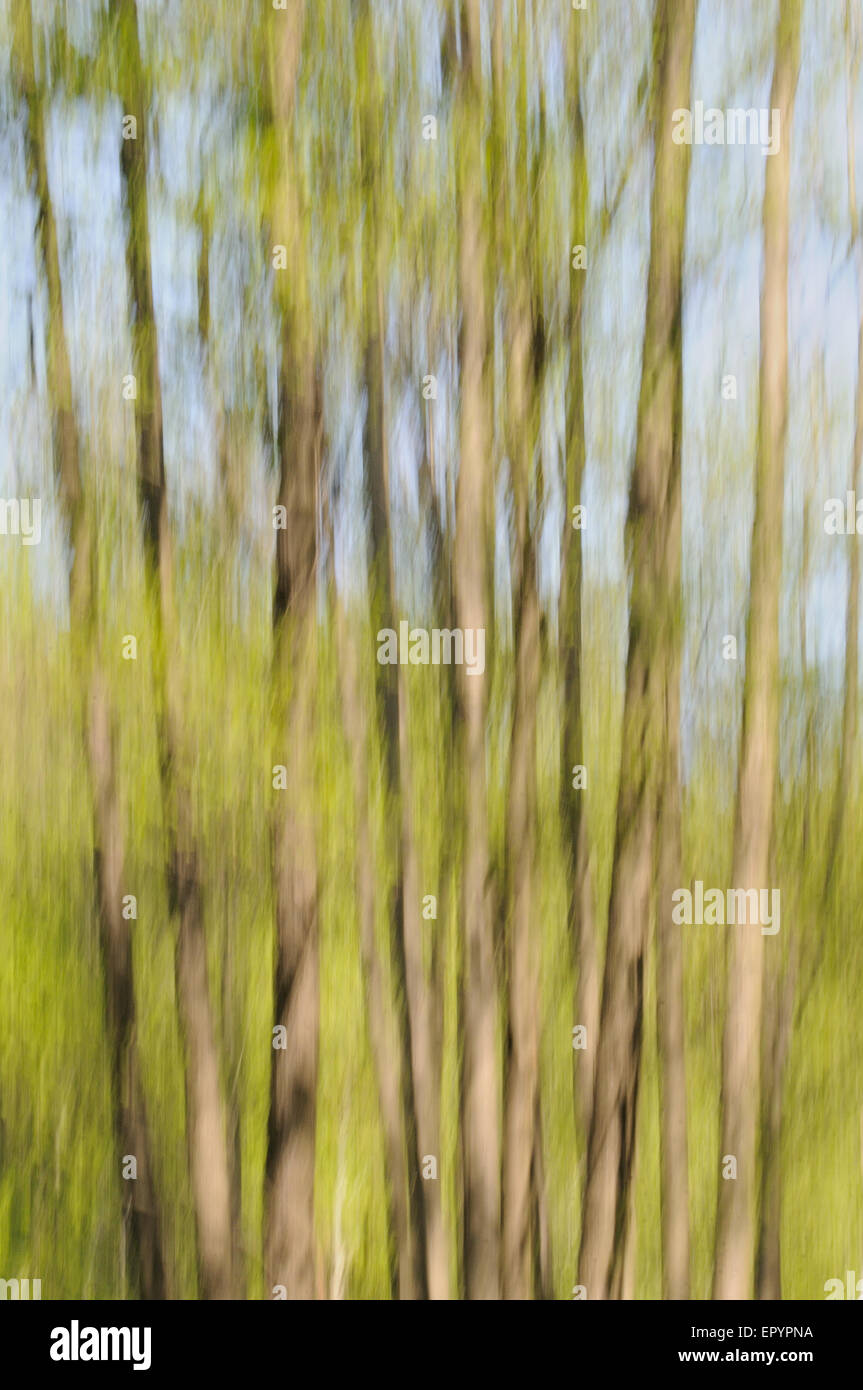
(289, 1242)
(205, 1109)
(141, 1217)
(653, 534)
(480, 1078)
(670, 1017)
(670, 1020)
(735, 1222)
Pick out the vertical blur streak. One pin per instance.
(388, 1054)
(735, 1218)
(525, 336)
(206, 1118)
(653, 533)
(423, 1265)
(670, 1018)
(142, 1226)
(289, 1237)
(581, 916)
(522, 1061)
(480, 1083)
(226, 526)
(850, 698)
(779, 984)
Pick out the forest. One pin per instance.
(430, 435)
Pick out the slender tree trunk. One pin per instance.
(480, 1080)
(205, 1108)
(581, 916)
(522, 1060)
(289, 1242)
(141, 1219)
(522, 1065)
(522, 1165)
(653, 528)
(231, 994)
(670, 1021)
(421, 1060)
(735, 1221)
(439, 1237)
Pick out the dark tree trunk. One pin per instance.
(289, 1237)
(205, 1107)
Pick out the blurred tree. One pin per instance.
(422, 1062)
(670, 1020)
(753, 828)
(525, 334)
(205, 1106)
(653, 534)
(141, 1214)
(582, 924)
(850, 693)
(481, 1084)
(289, 1200)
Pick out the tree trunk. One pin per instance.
(735, 1221)
(289, 1253)
(205, 1108)
(419, 1028)
(289, 1242)
(230, 484)
(670, 1016)
(422, 1074)
(480, 1079)
(653, 534)
(522, 1060)
(141, 1219)
(581, 917)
